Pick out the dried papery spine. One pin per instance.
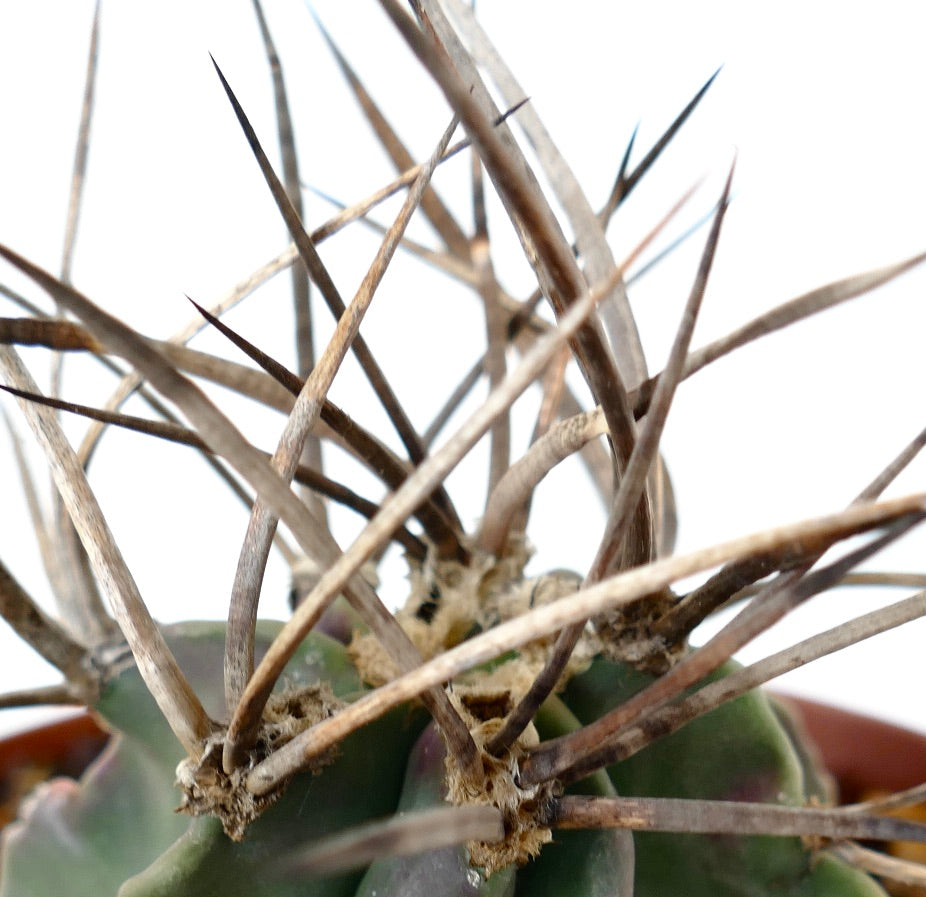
(45, 635)
(175, 432)
(274, 393)
(731, 818)
(162, 674)
(554, 444)
(544, 244)
(321, 277)
(243, 609)
(591, 245)
(432, 207)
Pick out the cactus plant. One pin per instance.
(511, 727)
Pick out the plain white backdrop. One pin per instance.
(820, 105)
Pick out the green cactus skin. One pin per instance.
(445, 871)
(739, 751)
(116, 832)
(829, 875)
(205, 861)
(120, 825)
(594, 863)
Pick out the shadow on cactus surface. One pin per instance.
(503, 731)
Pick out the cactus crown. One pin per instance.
(502, 731)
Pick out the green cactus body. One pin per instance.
(204, 860)
(117, 831)
(596, 863)
(739, 751)
(444, 870)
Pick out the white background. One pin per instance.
(821, 104)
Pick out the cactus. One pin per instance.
(503, 731)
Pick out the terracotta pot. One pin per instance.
(864, 754)
(63, 748)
